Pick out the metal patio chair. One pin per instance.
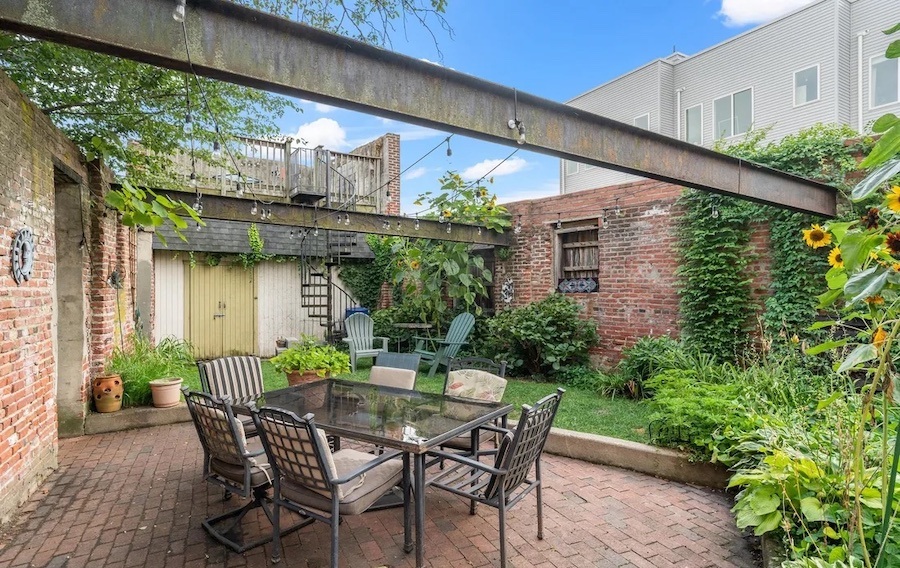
(399, 360)
(479, 379)
(320, 484)
(233, 464)
(506, 482)
(393, 377)
(361, 338)
(237, 377)
(446, 347)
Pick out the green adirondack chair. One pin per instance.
(361, 338)
(446, 347)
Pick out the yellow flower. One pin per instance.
(795, 339)
(875, 300)
(879, 337)
(816, 237)
(835, 259)
(414, 265)
(893, 199)
(896, 266)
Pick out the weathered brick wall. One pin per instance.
(636, 294)
(36, 159)
(387, 148)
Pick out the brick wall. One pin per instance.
(387, 148)
(36, 161)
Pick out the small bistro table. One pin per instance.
(410, 421)
(413, 326)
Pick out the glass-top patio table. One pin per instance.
(411, 421)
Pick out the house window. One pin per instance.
(693, 124)
(806, 85)
(643, 121)
(578, 260)
(883, 81)
(571, 167)
(733, 114)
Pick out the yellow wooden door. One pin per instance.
(222, 310)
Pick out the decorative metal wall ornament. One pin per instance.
(22, 255)
(507, 291)
(578, 285)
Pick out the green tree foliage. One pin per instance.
(364, 279)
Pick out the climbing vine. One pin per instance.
(256, 255)
(364, 279)
(715, 249)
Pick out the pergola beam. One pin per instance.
(235, 209)
(234, 43)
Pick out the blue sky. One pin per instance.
(556, 50)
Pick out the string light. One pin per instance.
(449, 227)
(198, 206)
(198, 227)
(398, 225)
(518, 227)
(188, 124)
(292, 234)
(479, 230)
(416, 224)
(558, 222)
(715, 212)
(316, 229)
(605, 216)
(618, 209)
(217, 149)
(347, 220)
(239, 189)
(178, 12)
(193, 178)
(253, 209)
(449, 150)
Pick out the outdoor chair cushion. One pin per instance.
(260, 473)
(374, 483)
(473, 383)
(393, 377)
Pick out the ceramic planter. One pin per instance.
(166, 392)
(302, 377)
(107, 392)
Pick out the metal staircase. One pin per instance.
(325, 300)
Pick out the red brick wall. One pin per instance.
(32, 153)
(637, 294)
(387, 148)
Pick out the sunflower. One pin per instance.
(816, 237)
(879, 337)
(870, 219)
(893, 242)
(835, 259)
(893, 199)
(414, 265)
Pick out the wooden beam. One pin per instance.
(289, 215)
(234, 43)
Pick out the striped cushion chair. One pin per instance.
(239, 378)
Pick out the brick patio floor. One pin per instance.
(136, 499)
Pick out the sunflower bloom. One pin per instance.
(879, 337)
(893, 199)
(414, 265)
(816, 237)
(893, 242)
(835, 259)
(870, 219)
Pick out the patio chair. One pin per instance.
(479, 379)
(399, 360)
(361, 338)
(393, 377)
(319, 484)
(237, 377)
(506, 482)
(233, 464)
(446, 347)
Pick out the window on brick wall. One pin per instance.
(578, 266)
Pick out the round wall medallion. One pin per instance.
(23, 255)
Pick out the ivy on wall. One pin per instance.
(715, 250)
(364, 279)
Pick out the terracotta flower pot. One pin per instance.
(166, 392)
(302, 377)
(107, 391)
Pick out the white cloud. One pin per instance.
(547, 189)
(324, 131)
(481, 169)
(415, 173)
(324, 109)
(744, 12)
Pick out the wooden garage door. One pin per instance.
(222, 310)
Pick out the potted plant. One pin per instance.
(308, 361)
(166, 392)
(144, 368)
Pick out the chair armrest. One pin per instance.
(346, 340)
(449, 456)
(254, 454)
(366, 467)
(384, 342)
(442, 342)
(420, 338)
(493, 428)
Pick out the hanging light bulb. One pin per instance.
(292, 234)
(253, 209)
(715, 212)
(193, 179)
(605, 216)
(239, 189)
(198, 206)
(449, 150)
(178, 13)
(416, 224)
(347, 220)
(217, 149)
(398, 225)
(198, 227)
(316, 229)
(558, 222)
(518, 228)
(449, 227)
(618, 209)
(188, 124)
(479, 230)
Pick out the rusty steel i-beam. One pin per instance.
(237, 44)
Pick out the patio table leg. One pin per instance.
(419, 473)
(408, 511)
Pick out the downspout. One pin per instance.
(678, 112)
(859, 79)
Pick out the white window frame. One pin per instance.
(818, 85)
(686, 122)
(635, 119)
(575, 169)
(871, 85)
(752, 113)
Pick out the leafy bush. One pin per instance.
(308, 355)
(541, 338)
(599, 382)
(141, 362)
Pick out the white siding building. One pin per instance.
(821, 63)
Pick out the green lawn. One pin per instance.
(581, 410)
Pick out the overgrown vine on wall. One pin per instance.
(715, 291)
(256, 255)
(364, 279)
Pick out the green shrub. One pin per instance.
(599, 382)
(141, 362)
(308, 355)
(541, 338)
